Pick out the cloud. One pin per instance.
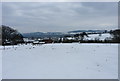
(0, 13)
(62, 16)
(60, 1)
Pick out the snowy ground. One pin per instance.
(61, 61)
(0, 63)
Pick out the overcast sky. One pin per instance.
(60, 16)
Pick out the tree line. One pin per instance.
(10, 36)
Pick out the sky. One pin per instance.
(0, 13)
(60, 16)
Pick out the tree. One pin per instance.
(116, 35)
(11, 36)
(82, 35)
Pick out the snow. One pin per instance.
(61, 61)
(0, 62)
(98, 36)
(70, 38)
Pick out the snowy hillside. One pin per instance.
(98, 36)
(61, 61)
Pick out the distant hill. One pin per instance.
(41, 34)
(92, 31)
(58, 34)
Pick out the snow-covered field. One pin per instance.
(61, 61)
(0, 63)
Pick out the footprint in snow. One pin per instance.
(106, 60)
(98, 65)
(94, 50)
(33, 47)
(99, 70)
(53, 48)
